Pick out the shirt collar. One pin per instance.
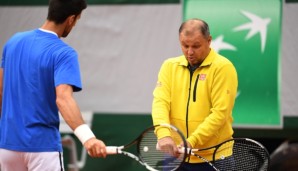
(48, 31)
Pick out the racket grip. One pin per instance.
(112, 150)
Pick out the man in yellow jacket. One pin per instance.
(196, 93)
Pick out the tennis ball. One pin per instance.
(145, 149)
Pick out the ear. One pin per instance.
(71, 19)
(209, 39)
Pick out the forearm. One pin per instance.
(68, 106)
(160, 115)
(161, 105)
(70, 112)
(208, 129)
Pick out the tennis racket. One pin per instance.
(147, 153)
(234, 155)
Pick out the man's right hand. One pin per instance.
(168, 146)
(95, 148)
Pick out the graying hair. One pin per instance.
(204, 28)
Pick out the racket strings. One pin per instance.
(247, 155)
(156, 158)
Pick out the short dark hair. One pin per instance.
(59, 10)
(204, 27)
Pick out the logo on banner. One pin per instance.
(256, 26)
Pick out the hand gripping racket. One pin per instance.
(148, 155)
(235, 155)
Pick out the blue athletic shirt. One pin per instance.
(34, 63)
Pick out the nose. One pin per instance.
(190, 51)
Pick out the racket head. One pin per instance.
(241, 154)
(155, 159)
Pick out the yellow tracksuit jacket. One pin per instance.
(199, 104)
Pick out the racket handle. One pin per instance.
(113, 150)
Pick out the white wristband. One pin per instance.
(84, 133)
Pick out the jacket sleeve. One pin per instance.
(161, 100)
(222, 98)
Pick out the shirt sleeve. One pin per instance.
(3, 57)
(67, 70)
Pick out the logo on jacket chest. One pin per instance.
(202, 77)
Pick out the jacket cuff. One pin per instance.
(163, 132)
(192, 141)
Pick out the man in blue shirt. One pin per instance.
(38, 75)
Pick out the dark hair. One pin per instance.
(204, 28)
(59, 10)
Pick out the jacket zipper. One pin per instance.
(189, 90)
(188, 100)
(195, 89)
(194, 96)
